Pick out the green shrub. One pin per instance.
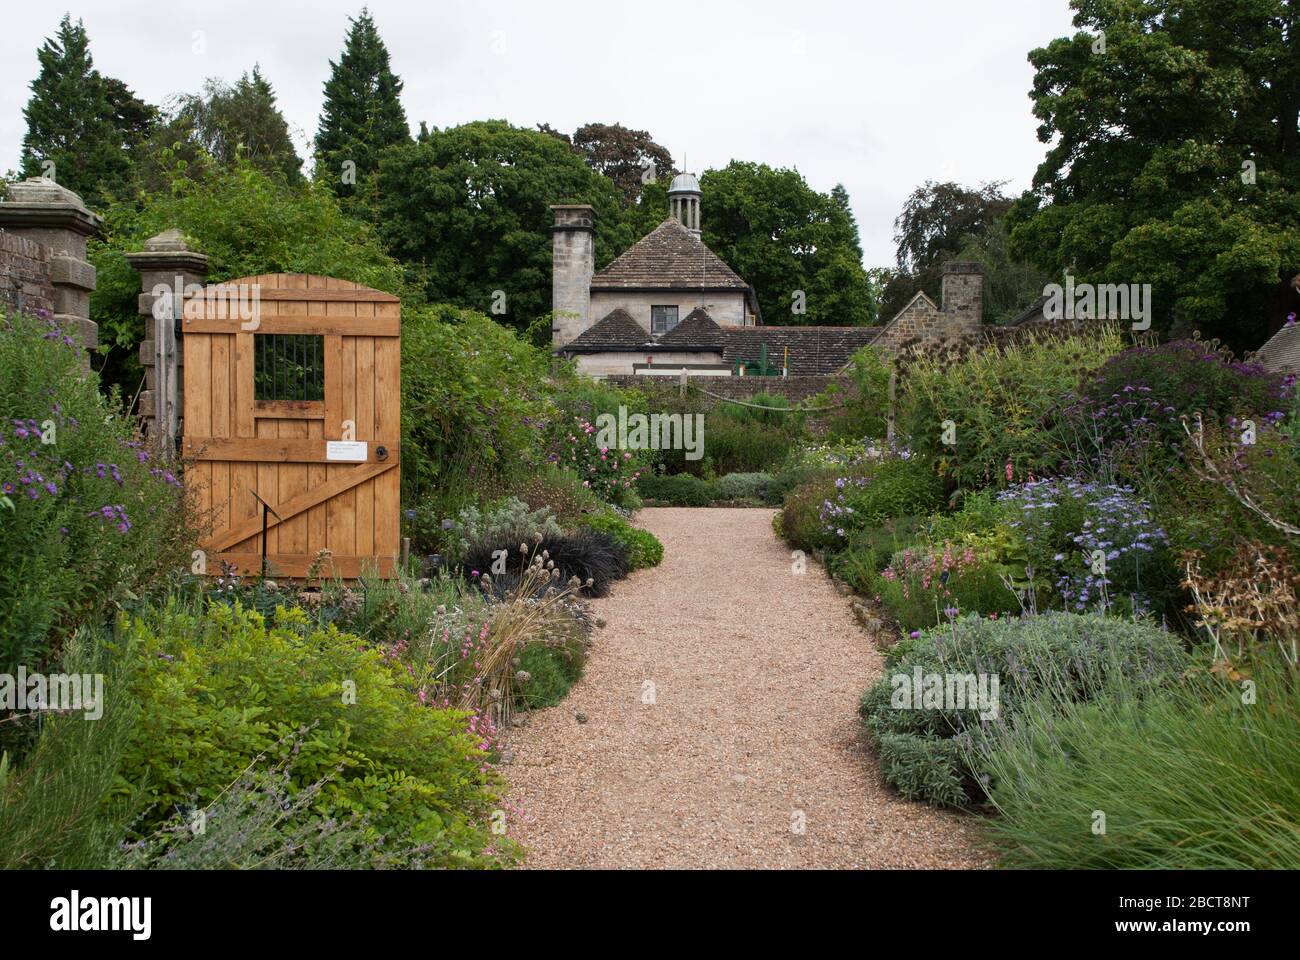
(869, 550)
(219, 690)
(1000, 400)
(865, 411)
(677, 489)
(801, 521)
(52, 802)
(894, 487)
(742, 486)
(89, 517)
(1070, 655)
(643, 547)
(1190, 779)
(559, 491)
(922, 586)
(472, 394)
(551, 672)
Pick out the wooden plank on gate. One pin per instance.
(283, 449)
(304, 501)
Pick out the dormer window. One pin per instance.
(662, 319)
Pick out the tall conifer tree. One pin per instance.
(81, 126)
(362, 114)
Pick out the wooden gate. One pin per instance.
(292, 396)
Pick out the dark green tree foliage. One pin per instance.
(783, 236)
(363, 112)
(468, 210)
(85, 124)
(627, 157)
(937, 221)
(1174, 159)
(243, 119)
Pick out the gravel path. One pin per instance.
(752, 732)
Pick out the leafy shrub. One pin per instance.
(1127, 424)
(219, 690)
(590, 453)
(509, 517)
(864, 412)
(472, 400)
(1207, 517)
(595, 558)
(869, 550)
(801, 522)
(895, 487)
(677, 489)
(264, 821)
(1095, 544)
(742, 486)
(1000, 400)
(922, 586)
(643, 547)
(1072, 656)
(52, 811)
(1191, 778)
(551, 672)
(560, 491)
(86, 518)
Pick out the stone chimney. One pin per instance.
(573, 261)
(962, 297)
(44, 212)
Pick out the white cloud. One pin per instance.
(878, 95)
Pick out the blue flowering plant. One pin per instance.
(90, 514)
(1094, 546)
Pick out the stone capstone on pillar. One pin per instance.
(41, 211)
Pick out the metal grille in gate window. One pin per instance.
(289, 367)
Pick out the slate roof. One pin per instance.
(1282, 351)
(813, 350)
(668, 257)
(617, 331)
(697, 332)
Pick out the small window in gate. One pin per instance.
(288, 367)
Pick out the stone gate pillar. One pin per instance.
(40, 210)
(166, 261)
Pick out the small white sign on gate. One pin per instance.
(347, 451)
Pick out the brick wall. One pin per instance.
(25, 274)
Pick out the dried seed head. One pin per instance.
(575, 583)
(523, 548)
(523, 676)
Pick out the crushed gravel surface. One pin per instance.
(720, 727)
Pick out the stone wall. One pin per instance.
(25, 274)
(794, 389)
(961, 313)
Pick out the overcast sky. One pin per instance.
(880, 95)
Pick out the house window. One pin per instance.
(662, 319)
(288, 367)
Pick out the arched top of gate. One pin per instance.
(299, 303)
(308, 286)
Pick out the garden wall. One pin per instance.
(794, 389)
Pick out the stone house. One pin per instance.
(670, 304)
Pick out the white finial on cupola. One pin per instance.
(684, 201)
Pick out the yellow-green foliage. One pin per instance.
(999, 399)
(221, 689)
